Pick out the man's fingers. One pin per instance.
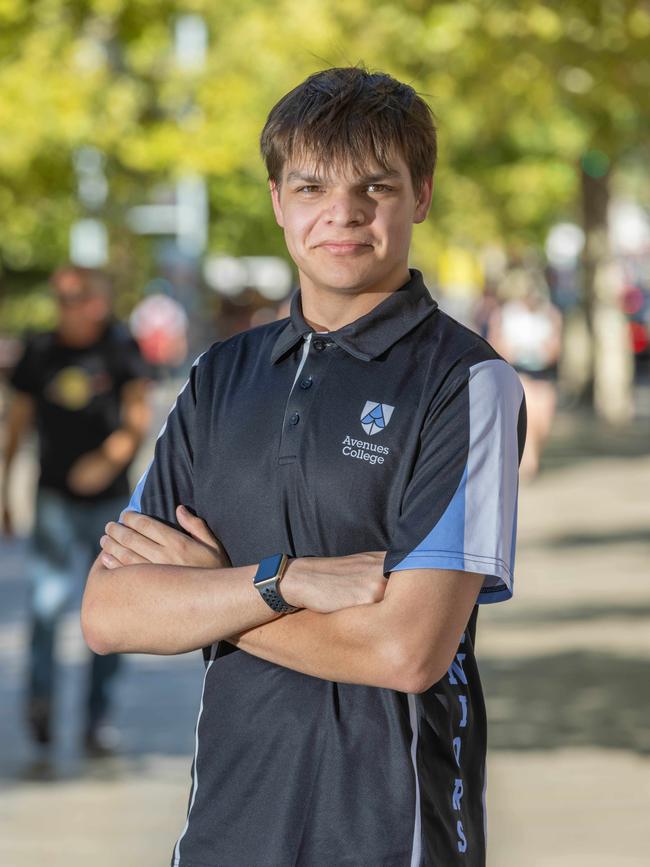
(127, 546)
(148, 527)
(195, 526)
(153, 541)
(121, 555)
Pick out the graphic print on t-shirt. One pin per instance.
(74, 387)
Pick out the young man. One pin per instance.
(368, 437)
(83, 387)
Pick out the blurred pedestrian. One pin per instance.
(82, 386)
(526, 329)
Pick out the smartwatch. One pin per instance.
(266, 579)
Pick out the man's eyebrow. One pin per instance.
(362, 181)
(302, 176)
(379, 176)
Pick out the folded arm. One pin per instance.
(404, 642)
(155, 589)
(355, 626)
(167, 609)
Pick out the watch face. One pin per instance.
(268, 567)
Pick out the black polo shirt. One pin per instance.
(401, 431)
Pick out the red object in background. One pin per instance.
(159, 324)
(633, 300)
(639, 337)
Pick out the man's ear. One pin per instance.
(275, 201)
(423, 201)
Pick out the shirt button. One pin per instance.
(294, 418)
(319, 345)
(306, 383)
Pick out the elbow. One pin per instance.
(418, 680)
(424, 681)
(97, 646)
(94, 626)
(93, 635)
(413, 673)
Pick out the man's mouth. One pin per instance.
(342, 248)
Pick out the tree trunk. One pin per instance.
(612, 366)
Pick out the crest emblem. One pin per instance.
(375, 416)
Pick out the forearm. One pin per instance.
(120, 447)
(352, 645)
(148, 608)
(406, 641)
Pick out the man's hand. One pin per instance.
(140, 539)
(327, 584)
(91, 473)
(94, 471)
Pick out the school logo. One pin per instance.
(375, 416)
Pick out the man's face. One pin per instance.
(77, 304)
(349, 231)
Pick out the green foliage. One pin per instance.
(31, 309)
(521, 90)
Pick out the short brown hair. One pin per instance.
(345, 115)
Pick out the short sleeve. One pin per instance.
(24, 377)
(459, 508)
(168, 481)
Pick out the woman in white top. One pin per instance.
(527, 331)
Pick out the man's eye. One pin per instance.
(310, 188)
(378, 188)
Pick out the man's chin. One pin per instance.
(344, 279)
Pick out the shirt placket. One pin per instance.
(316, 358)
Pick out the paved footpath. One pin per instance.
(566, 669)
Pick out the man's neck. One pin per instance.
(326, 309)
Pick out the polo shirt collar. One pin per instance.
(371, 334)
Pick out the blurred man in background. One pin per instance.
(83, 387)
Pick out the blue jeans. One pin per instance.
(62, 526)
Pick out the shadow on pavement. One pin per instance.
(556, 614)
(576, 699)
(615, 537)
(579, 437)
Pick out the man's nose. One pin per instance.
(345, 209)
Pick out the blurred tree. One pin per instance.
(538, 104)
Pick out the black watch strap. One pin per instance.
(267, 578)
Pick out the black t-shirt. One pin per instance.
(77, 393)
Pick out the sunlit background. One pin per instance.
(129, 142)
